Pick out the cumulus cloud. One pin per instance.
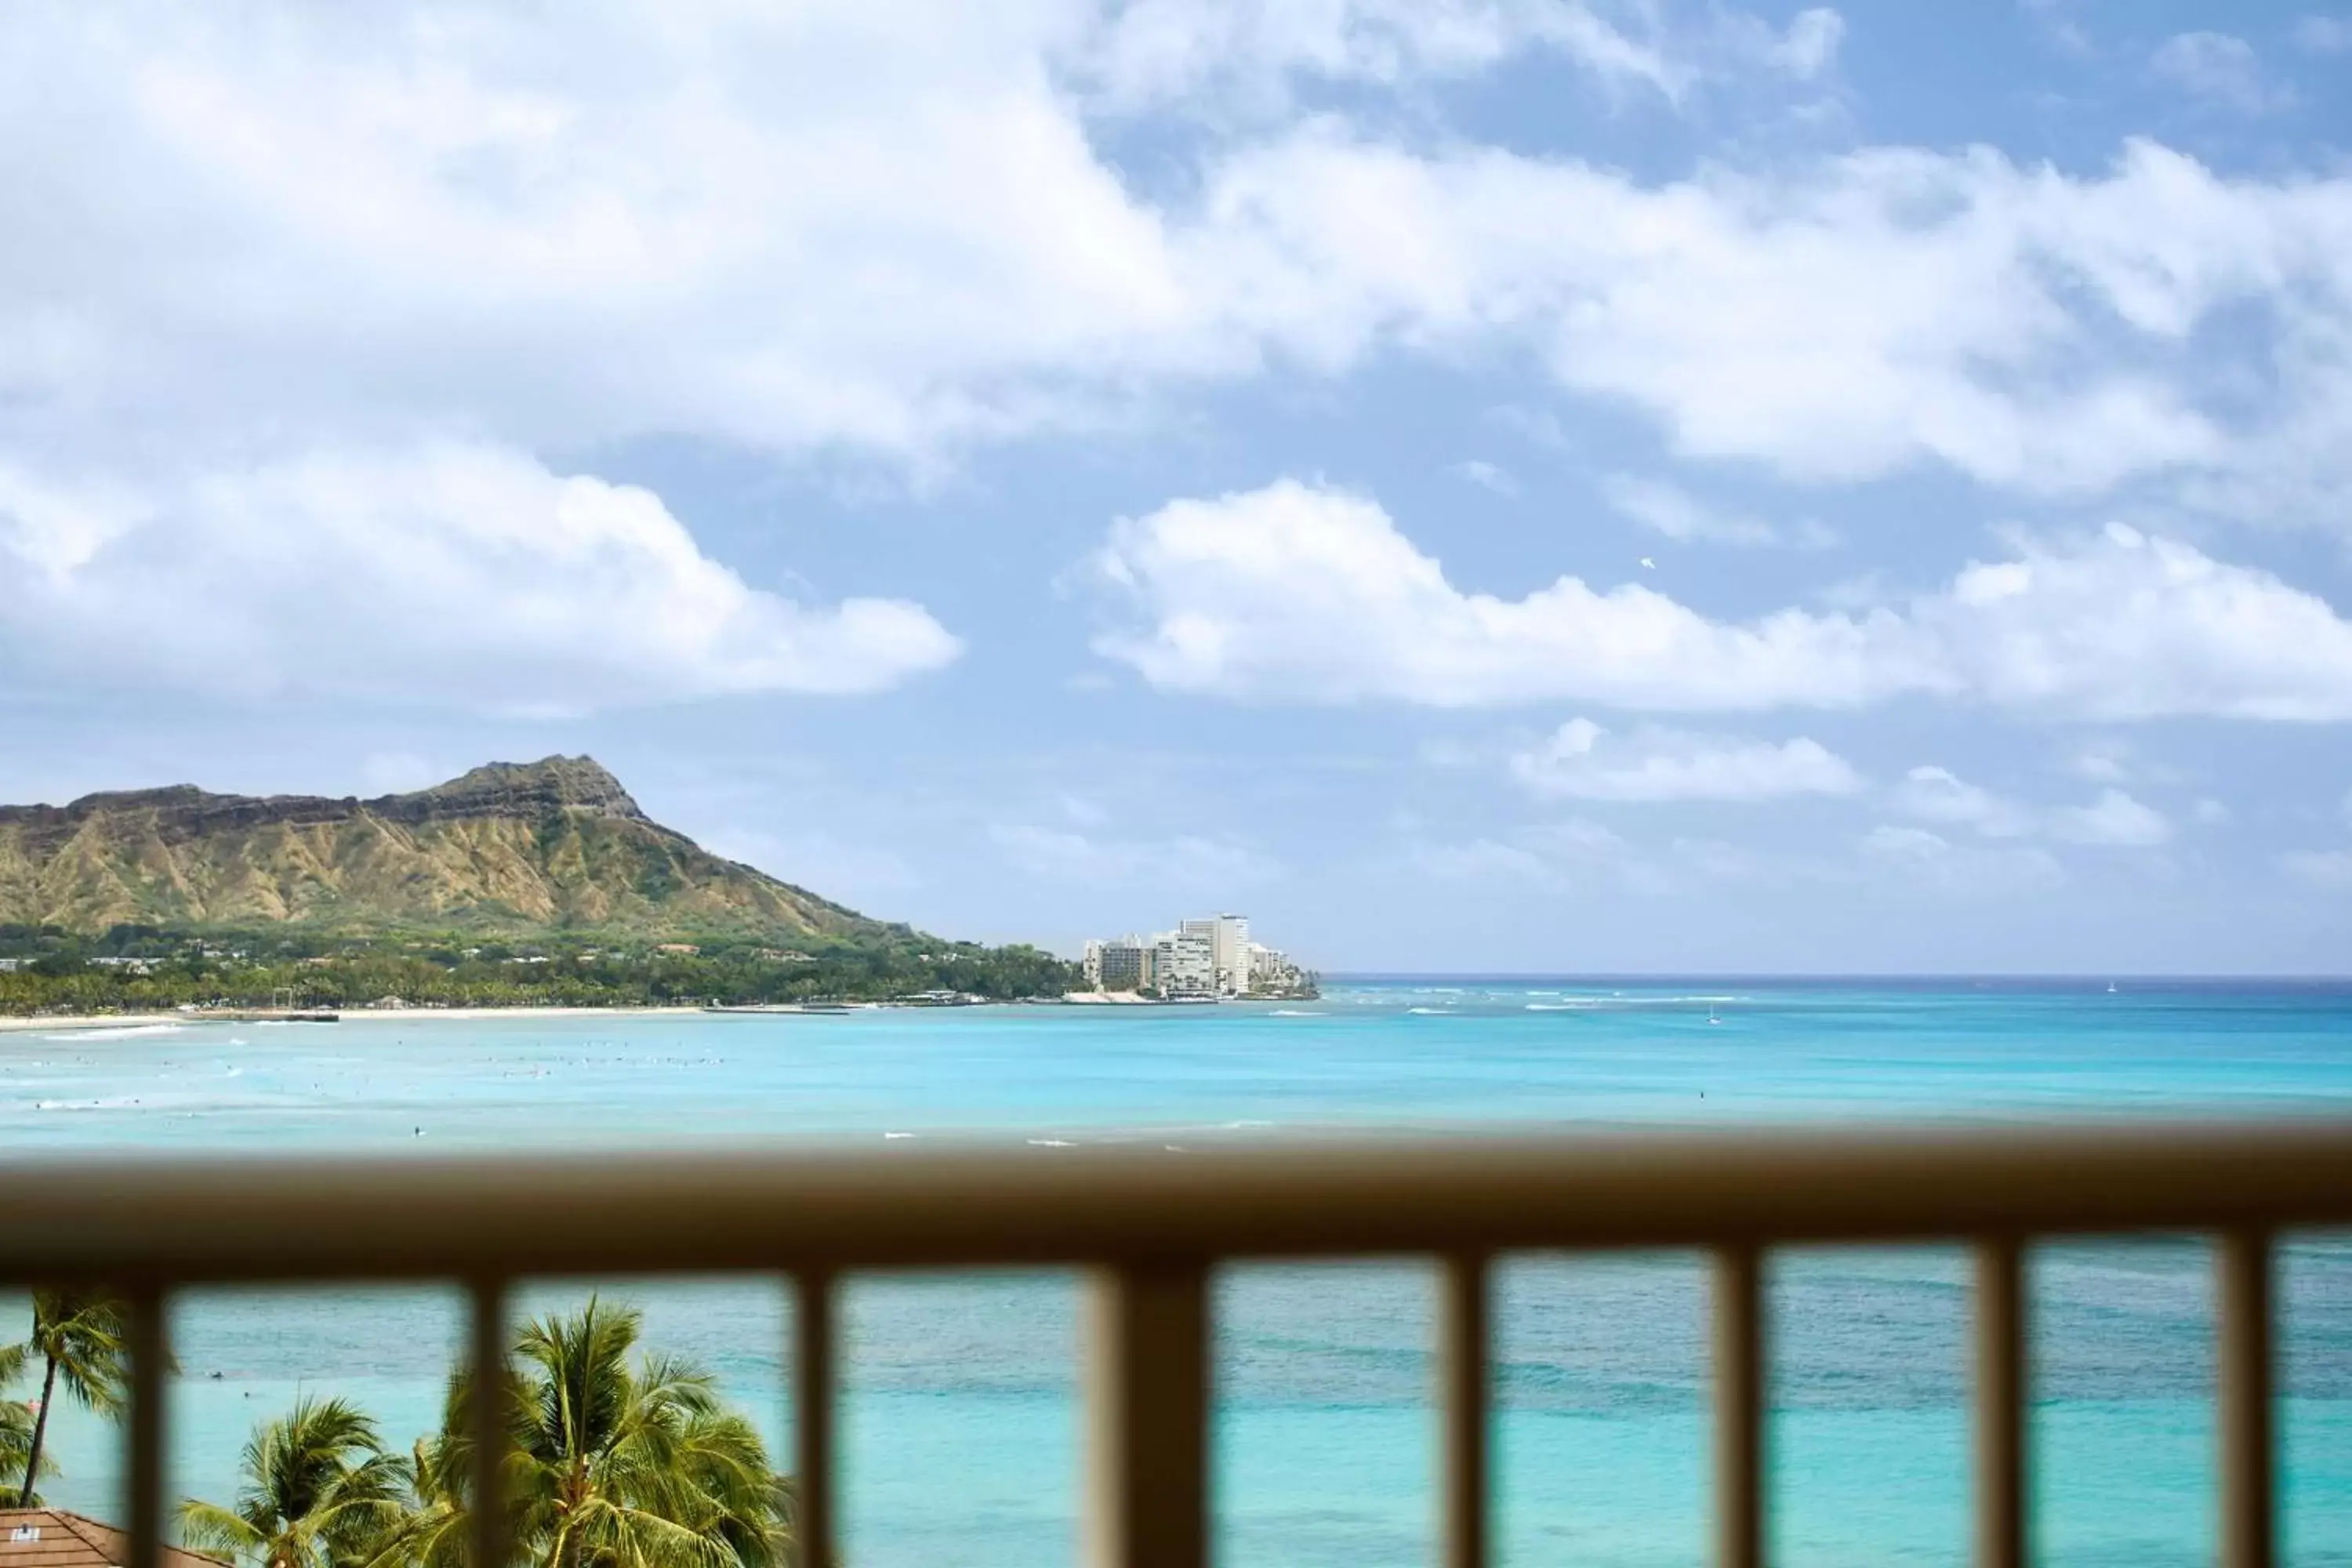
(1238, 56)
(677, 218)
(2113, 818)
(1931, 863)
(1856, 316)
(337, 230)
(1939, 795)
(1310, 594)
(1811, 45)
(1583, 761)
(451, 575)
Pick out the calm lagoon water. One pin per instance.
(960, 1415)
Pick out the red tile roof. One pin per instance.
(52, 1538)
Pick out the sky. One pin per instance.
(1537, 486)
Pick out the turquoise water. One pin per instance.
(960, 1410)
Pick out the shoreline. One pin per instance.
(18, 1023)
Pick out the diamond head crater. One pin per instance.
(514, 885)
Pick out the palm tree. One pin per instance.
(319, 1492)
(77, 1336)
(16, 1440)
(611, 1464)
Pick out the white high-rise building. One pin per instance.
(1185, 961)
(1271, 970)
(1229, 935)
(1202, 960)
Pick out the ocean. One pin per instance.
(960, 1407)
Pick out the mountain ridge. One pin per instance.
(557, 844)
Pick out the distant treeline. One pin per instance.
(137, 968)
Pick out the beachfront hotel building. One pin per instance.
(1121, 964)
(1208, 959)
(1184, 961)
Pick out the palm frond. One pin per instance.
(208, 1527)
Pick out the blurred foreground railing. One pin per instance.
(1152, 1223)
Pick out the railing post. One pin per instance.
(488, 1419)
(1465, 1372)
(1739, 1408)
(150, 1359)
(812, 1413)
(1149, 1414)
(2249, 1502)
(2000, 1469)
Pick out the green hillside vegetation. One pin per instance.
(540, 884)
(143, 969)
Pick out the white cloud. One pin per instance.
(1674, 511)
(2132, 627)
(1812, 45)
(262, 248)
(1930, 862)
(1582, 760)
(2115, 819)
(681, 219)
(1238, 55)
(1309, 594)
(1939, 795)
(448, 576)
(2218, 68)
(1851, 320)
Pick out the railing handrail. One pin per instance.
(176, 1222)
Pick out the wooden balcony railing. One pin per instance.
(1151, 1226)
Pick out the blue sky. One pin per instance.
(1509, 485)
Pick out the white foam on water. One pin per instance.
(1050, 1144)
(125, 1032)
(1295, 1013)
